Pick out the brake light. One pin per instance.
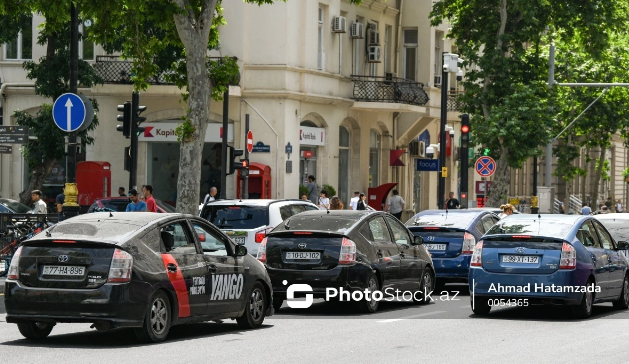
(201, 237)
(477, 259)
(262, 251)
(121, 266)
(64, 241)
(14, 269)
(431, 228)
(261, 234)
(521, 236)
(568, 258)
(348, 252)
(302, 233)
(469, 241)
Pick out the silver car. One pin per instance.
(248, 221)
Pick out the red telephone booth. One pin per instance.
(259, 181)
(377, 196)
(93, 180)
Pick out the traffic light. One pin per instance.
(233, 163)
(486, 152)
(125, 128)
(136, 119)
(465, 131)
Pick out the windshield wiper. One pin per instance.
(223, 225)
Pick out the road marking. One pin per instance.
(414, 316)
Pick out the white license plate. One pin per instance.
(435, 246)
(63, 270)
(240, 240)
(303, 255)
(520, 259)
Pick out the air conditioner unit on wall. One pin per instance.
(373, 35)
(339, 24)
(356, 31)
(417, 149)
(437, 80)
(373, 54)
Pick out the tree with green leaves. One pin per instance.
(51, 74)
(502, 42)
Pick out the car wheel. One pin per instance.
(480, 305)
(157, 320)
(255, 309)
(277, 303)
(427, 284)
(372, 285)
(34, 330)
(622, 303)
(584, 309)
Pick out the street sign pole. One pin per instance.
(245, 193)
(71, 191)
(223, 186)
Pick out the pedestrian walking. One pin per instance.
(324, 201)
(312, 189)
(39, 204)
(336, 204)
(361, 204)
(121, 192)
(507, 209)
(353, 203)
(211, 196)
(452, 203)
(586, 210)
(395, 205)
(151, 206)
(619, 206)
(136, 205)
(60, 200)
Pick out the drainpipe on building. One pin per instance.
(399, 35)
(15, 84)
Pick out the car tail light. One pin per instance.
(477, 259)
(14, 270)
(568, 258)
(348, 252)
(262, 251)
(261, 234)
(469, 241)
(121, 265)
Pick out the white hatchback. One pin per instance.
(248, 221)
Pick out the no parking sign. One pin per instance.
(485, 166)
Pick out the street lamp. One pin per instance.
(450, 65)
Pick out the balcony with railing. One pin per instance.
(112, 69)
(454, 102)
(392, 90)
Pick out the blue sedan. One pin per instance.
(548, 259)
(450, 237)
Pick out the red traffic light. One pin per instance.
(463, 195)
(465, 128)
(245, 164)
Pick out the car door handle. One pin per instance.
(401, 254)
(379, 253)
(171, 268)
(212, 269)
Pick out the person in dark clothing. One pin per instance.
(361, 204)
(313, 196)
(121, 192)
(452, 203)
(60, 200)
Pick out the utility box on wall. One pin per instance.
(93, 180)
(545, 196)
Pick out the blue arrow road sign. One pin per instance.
(427, 165)
(69, 112)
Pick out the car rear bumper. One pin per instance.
(557, 287)
(350, 278)
(455, 269)
(114, 303)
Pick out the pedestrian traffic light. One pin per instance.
(233, 163)
(486, 152)
(125, 128)
(465, 131)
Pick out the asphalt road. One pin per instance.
(440, 332)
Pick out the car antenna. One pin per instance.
(48, 234)
(110, 214)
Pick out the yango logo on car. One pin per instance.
(226, 286)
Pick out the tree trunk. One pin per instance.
(38, 175)
(597, 178)
(194, 34)
(502, 180)
(584, 178)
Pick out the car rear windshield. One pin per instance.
(451, 220)
(165, 206)
(537, 227)
(16, 206)
(108, 230)
(236, 216)
(332, 223)
(618, 228)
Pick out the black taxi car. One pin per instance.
(142, 270)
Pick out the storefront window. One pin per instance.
(343, 187)
(374, 159)
(307, 166)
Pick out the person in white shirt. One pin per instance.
(39, 205)
(353, 203)
(619, 206)
(210, 196)
(395, 205)
(324, 201)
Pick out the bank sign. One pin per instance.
(165, 132)
(311, 136)
(427, 165)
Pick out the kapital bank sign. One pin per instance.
(165, 132)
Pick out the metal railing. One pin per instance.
(112, 69)
(454, 104)
(389, 89)
(574, 206)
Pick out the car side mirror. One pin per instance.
(241, 250)
(418, 240)
(623, 245)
